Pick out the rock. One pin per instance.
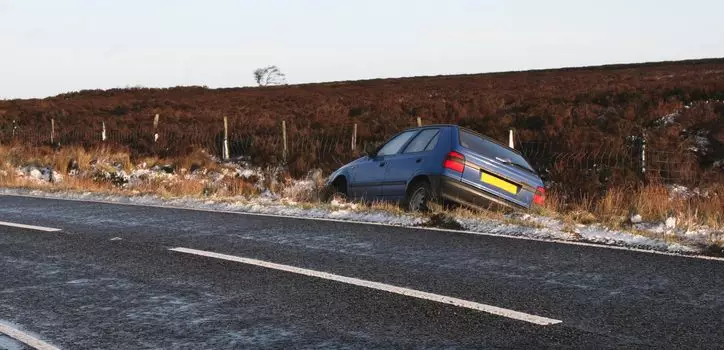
(636, 219)
(73, 166)
(36, 174)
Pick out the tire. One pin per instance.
(419, 197)
(336, 189)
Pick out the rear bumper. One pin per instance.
(458, 192)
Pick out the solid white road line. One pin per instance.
(25, 338)
(30, 227)
(521, 316)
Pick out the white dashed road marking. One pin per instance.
(25, 338)
(30, 227)
(521, 316)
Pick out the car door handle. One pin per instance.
(419, 160)
(382, 163)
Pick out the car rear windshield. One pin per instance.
(491, 149)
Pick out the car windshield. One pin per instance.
(493, 150)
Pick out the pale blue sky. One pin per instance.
(50, 46)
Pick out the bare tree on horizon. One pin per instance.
(270, 75)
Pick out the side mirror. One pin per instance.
(370, 150)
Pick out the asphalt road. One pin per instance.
(109, 281)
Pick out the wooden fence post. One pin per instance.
(155, 129)
(14, 127)
(103, 133)
(284, 137)
(643, 157)
(419, 121)
(226, 138)
(52, 131)
(354, 137)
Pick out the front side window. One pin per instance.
(394, 145)
(421, 141)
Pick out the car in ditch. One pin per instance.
(443, 164)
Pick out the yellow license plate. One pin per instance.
(498, 182)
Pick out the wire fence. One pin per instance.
(306, 147)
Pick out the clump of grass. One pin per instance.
(393, 208)
(197, 159)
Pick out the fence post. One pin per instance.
(52, 131)
(14, 127)
(284, 137)
(155, 128)
(511, 142)
(354, 137)
(419, 121)
(226, 139)
(103, 133)
(643, 156)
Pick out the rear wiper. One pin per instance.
(510, 162)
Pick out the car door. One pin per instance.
(369, 174)
(367, 180)
(401, 167)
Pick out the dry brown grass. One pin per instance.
(613, 208)
(393, 208)
(653, 202)
(195, 160)
(105, 159)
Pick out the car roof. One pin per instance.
(467, 130)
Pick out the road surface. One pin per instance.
(130, 277)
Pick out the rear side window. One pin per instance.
(433, 142)
(491, 149)
(395, 145)
(421, 142)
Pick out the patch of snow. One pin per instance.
(343, 204)
(682, 192)
(702, 142)
(38, 174)
(671, 223)
(636, 219)
(666, 120)
(598, 234)
(678, 191)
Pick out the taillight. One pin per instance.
(540, 196)
(454, 161)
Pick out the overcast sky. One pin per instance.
(50, 46)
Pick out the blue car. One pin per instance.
(441, 163)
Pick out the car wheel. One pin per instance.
(336, 190)
(419, 197)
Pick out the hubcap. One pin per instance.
(417, 202)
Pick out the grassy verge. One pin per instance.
(101, 170)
